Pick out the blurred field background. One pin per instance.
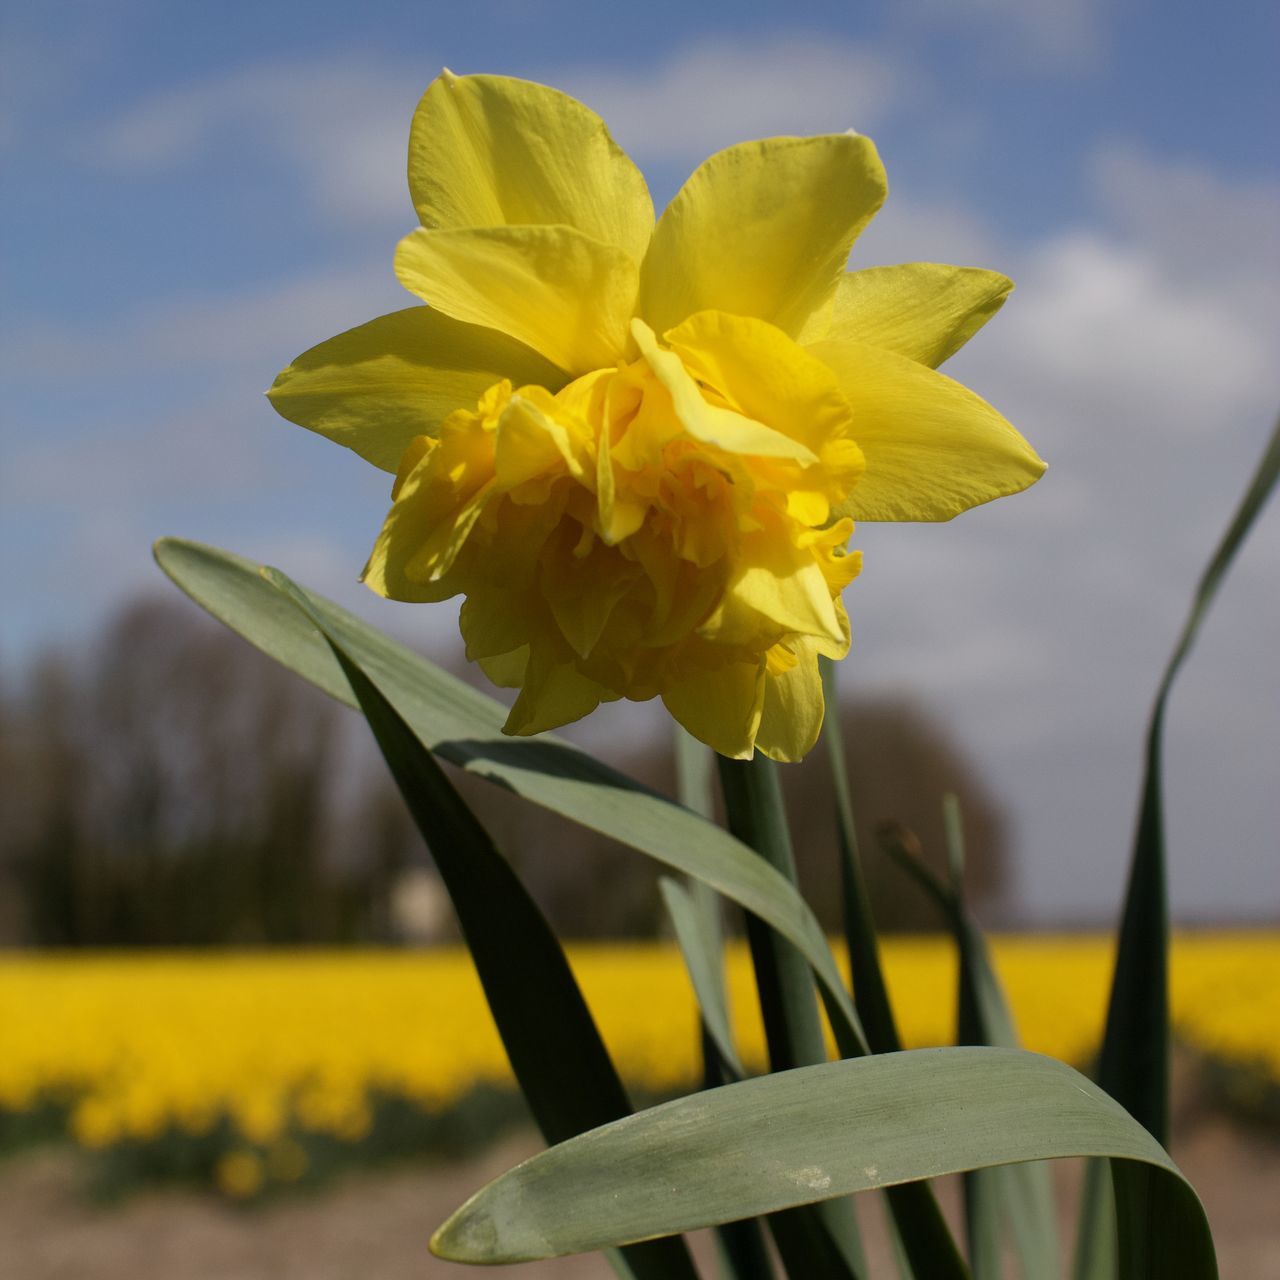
(232, 993)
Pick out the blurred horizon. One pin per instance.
(198, 194)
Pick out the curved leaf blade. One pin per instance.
(1134, 1063)
(552, 1042)
(463, 726)
(800, 1136)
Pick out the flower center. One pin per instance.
(645, 523)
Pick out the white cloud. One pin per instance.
(710, 95)
(1029, 35)
(1136, 354)
(260, 329)
(342, 124)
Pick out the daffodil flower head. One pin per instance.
(637, 450)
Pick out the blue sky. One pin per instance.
(195, 193)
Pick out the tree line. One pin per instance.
(170, 786)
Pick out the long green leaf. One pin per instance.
(1016, 1200)
(556, 1053)
(463, 726)
(795, 1137)
(1134, 1065)
(870, 991)
(1013, 1200)
(705, 964)
(696, 916)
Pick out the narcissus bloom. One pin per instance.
(638, 450)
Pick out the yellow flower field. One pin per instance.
(300, 1042)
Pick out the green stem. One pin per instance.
(788, 1002)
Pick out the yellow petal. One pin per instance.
(774, 593)
(494, 625)
(766, 375)
(933, 449)
(552, 288)
(720, 707)
(733, 432)
(490, 151)
(530, 444)
(554, 693)
(762, 229)
(583, 593)
(506, 670)
(791, 716)
(376, 387)
(922, 310)
(415, 548)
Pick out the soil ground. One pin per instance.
(375, 1227)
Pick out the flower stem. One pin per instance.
(788, 1003)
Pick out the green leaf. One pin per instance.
(795, 1137)
(1014, 1200)
(704, 960)
(463, 726)
(1134, 1064)
(870, 991)
(556, 1053)
(696, 916)
(793, 1031)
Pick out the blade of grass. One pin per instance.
(704, 962)
(870, 992)
(1133, 1066)
(1017, 1199)
(551, 1039)
(1009, 1200)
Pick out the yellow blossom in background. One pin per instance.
(638, 449)
(284, 1045)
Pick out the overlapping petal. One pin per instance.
(376, 387)
(792, 710)
(492, 151)
(762, 229)
(933, 448)
(636, 452)
(922, 310)
(552, 288)
(720, 706)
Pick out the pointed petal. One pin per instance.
(933, 448)
(554, 693)
(791, 717)
(491, 151)
(922, 310)
(720, 707)
(376, 387)
(762, 229)
(552, 288)
(775, 592)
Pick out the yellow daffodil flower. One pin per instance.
(638, 450)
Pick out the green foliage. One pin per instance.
(794, 1137)
(788, 1147)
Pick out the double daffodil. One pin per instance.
(638, 450)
